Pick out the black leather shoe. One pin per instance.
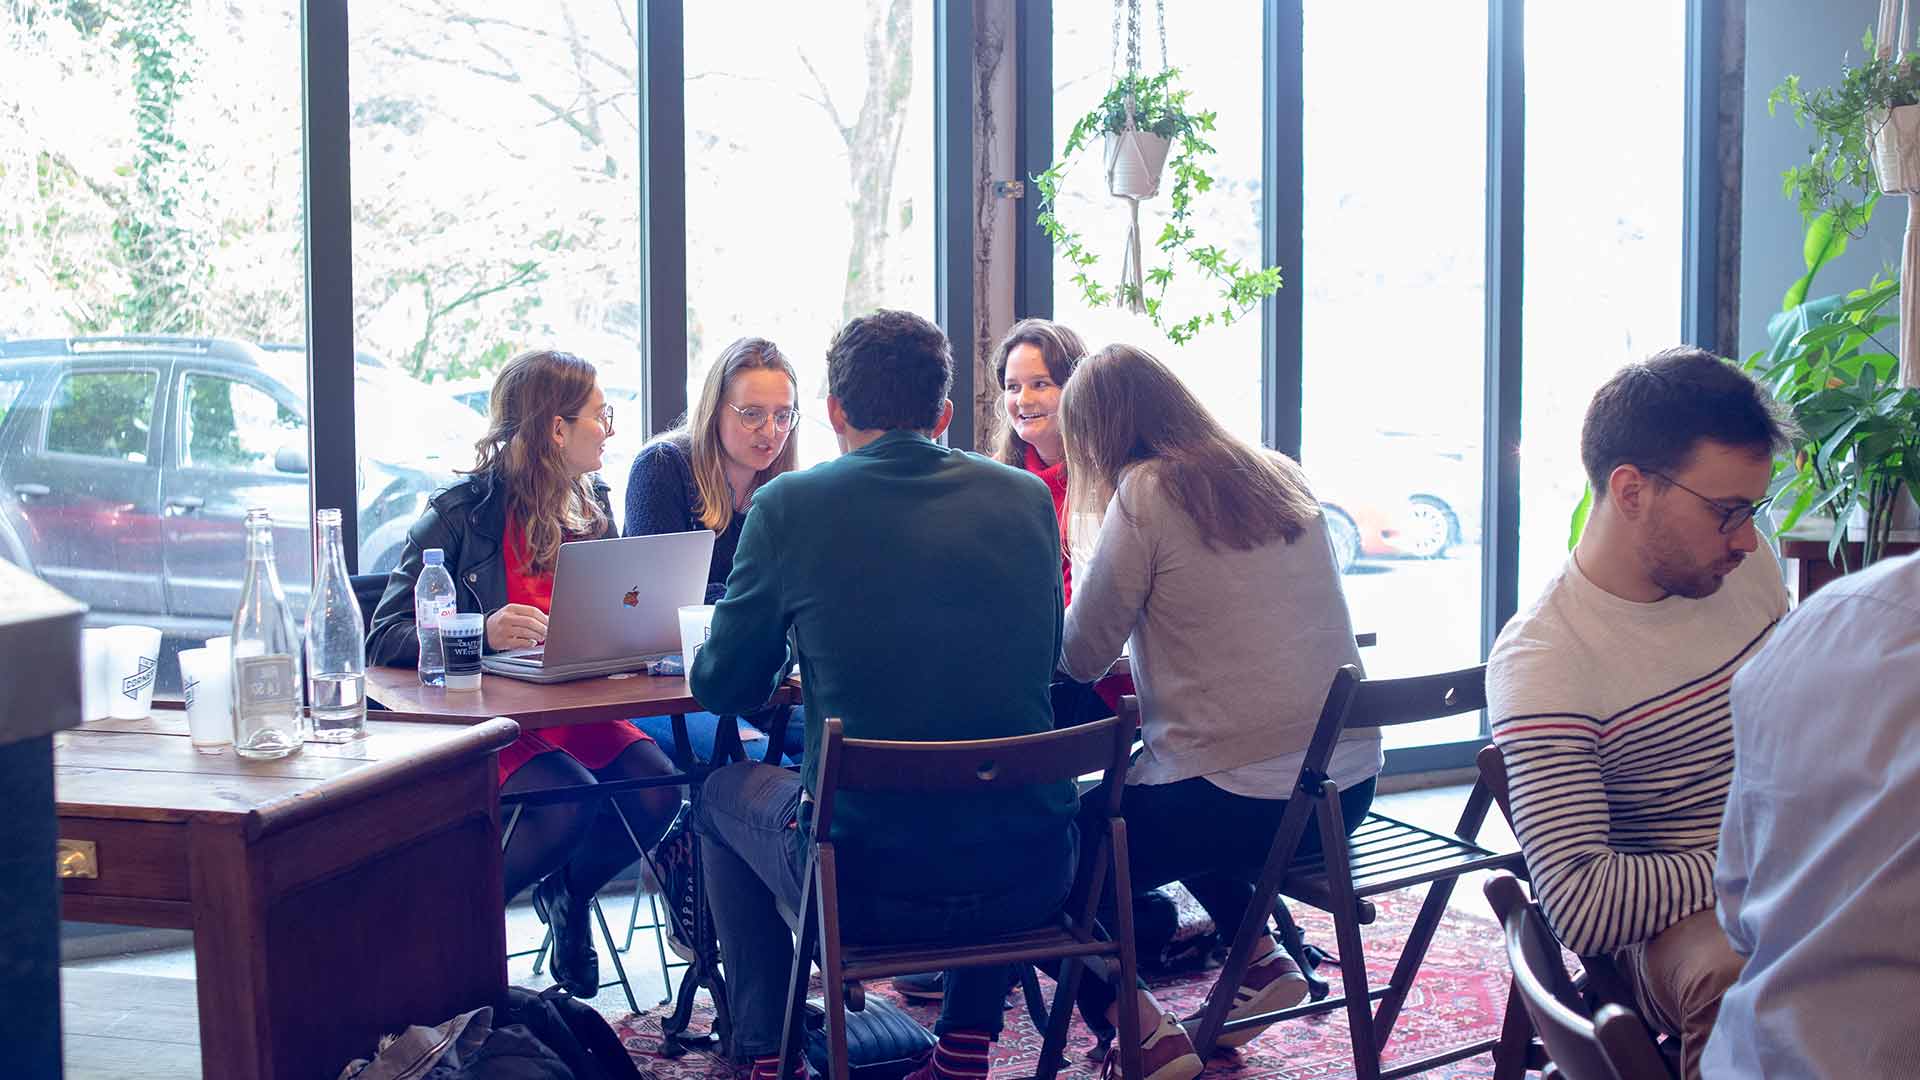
(575, 964)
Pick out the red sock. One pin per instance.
(768, 1068)
(962, 1055)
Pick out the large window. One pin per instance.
(1603, 245)
(496, 208)
(1217, 53)
(150, 248)
(1394, 339)
(809, 180)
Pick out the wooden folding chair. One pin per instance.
(1382, 855)
(1601, 980)
(975, 765)
(1612, 1044)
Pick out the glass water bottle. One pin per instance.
(336, 641)
(266, 654)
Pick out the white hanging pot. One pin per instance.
(1896, 150)
(1135, 160)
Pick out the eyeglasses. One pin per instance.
(605, 416)
(753, 417)
(1732, 515)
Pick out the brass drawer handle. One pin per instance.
(76, 859)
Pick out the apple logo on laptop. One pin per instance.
(632, 599)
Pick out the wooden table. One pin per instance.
(335, 895)
(540, 705)
(1811, 568)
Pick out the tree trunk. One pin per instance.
(873, 148)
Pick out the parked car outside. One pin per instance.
(1391, 495)
(127, 465)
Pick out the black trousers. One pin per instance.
(1207, 838)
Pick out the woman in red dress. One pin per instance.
(535, 486)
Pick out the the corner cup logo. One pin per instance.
(139, 680)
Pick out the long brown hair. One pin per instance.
(702, 427)
(1060, 348)
(1124, 408)
(552, 505)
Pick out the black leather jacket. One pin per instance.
(468, 522)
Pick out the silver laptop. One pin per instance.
(615, 606)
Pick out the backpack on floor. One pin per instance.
(574, 1031)
(883, 1042)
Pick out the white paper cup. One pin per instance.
(95, 681)
(206, 682)
(133, 663)
(696, 622)
(463, 636)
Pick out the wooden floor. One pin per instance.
(135, 1014)
(116, 1025)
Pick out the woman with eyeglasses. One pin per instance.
(702, 475)
(535, 486)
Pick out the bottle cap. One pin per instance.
(434, 557)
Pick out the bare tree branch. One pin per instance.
(825, 100)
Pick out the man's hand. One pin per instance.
(516, 626)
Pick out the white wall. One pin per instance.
(1812, 39)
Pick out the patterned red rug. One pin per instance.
(1458, 998)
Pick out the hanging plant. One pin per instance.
(1146, 125)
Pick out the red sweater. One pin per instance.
(1056, 477)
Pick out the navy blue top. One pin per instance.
(662, 498)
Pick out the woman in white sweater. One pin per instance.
(1212, 559)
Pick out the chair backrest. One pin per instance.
(367, 589)
(1354, 701)
(1610, 1045)
(967, 765)
(1493, 774)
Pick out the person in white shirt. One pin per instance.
(1609, 696)
(1819, 874)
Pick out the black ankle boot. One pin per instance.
(575, 964)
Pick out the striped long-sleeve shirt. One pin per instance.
(1613, 717)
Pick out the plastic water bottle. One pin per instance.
(432, 599)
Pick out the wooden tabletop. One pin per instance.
(148, 770)
(540, 705)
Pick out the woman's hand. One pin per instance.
(516, 626)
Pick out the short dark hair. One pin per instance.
(890, 370)
(1653, 412)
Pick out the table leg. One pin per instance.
(704, 971)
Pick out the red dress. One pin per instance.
(1112, 687)
(592, 745)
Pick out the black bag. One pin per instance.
(883, 1043)
(467, 1047)
(575, 1032)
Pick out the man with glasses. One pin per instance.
(1609, 695)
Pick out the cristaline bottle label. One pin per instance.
(266, 684)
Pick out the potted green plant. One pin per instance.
(1867, 142)
(1856, 455)
(1145, 126)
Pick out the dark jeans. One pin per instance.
(1210, 840)
(754, 853)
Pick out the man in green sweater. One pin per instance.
(920, 587)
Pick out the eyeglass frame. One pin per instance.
(605, 417)
(793, 417)
(1728, 526)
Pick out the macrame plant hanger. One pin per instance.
(1896, 160)
(1134, 158)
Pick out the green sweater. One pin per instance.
(921, 589)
